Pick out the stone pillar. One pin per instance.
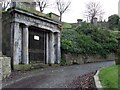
(17, 44)
(25, 45)
(47, 49)
(58, 48)
(51, 51)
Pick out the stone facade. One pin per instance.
(79, 59)
(21, 27)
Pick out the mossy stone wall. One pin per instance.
(5, 67)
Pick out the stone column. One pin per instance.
(25, 45)
(58, 48)
(16, 44)
(51, 51)
(47, 49)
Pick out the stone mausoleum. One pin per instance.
(30, 36)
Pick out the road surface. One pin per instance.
(58, 77)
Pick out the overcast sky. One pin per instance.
(78, 8)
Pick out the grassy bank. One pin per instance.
(109, 77)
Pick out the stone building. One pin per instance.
(30, 36)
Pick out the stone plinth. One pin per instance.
(5, 67)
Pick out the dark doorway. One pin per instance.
(37, 45)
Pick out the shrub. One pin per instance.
(89, 39)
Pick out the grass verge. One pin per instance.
(109, 77)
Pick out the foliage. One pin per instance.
(109, 77)
(63, 62)
(88, 39)
(113, 21)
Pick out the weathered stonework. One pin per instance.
(5, 69)
(80, 59)
(21, 29)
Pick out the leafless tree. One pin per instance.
(5, 4)
(93, 10)
(62, 6)
(42, 4)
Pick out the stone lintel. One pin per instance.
(38, 17)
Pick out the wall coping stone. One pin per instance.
(97, 81)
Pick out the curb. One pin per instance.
(97, 81)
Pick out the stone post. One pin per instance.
(16, 46)
(52, 51)
(25, 45)
(47, 48)
(58, 48)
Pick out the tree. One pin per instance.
(42, 4)
(113, 21)
(5, 4)
(93, 10)
(62, 7)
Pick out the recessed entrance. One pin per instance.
(37, 45)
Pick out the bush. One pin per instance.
(89, 39)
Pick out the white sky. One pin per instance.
(78, 8)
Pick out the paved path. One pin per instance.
(58, 77)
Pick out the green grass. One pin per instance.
(109, 77)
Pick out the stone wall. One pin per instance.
(5, 67)
(6, 34)
(79, 59)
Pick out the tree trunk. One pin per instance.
(60, 17)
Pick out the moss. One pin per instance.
(28, 67)
(23, 67)
(34, 12)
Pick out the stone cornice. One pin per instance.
(35, 15)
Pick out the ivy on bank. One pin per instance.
(88, 39)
